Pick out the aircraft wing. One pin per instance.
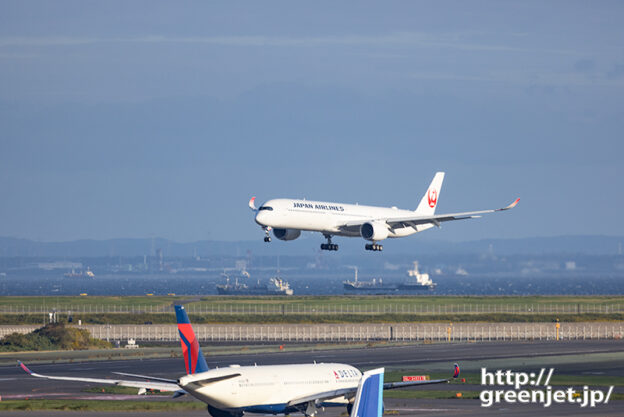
(393, 385)
(322, 396)
(349, 393)
(156, 385)
(415, 220)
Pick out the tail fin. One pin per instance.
(193, 358)
(429, 201)
(369, 396)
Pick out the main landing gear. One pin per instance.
(267, 237)
(373, 246)
(329, 245)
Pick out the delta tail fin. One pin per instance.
(193, 358)
(369, 397)
(429, 202)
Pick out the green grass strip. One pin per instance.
(139, 319)
(99, 405)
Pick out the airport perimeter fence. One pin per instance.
(322, 309)
(332, 333)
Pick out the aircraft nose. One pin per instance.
(259, 216)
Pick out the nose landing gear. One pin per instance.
(373, 247)
(329, 245)
(267, 237)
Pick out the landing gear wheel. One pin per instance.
(267, 238)
(329, 245)
(373, 247)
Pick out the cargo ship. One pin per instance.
(275, 286)
(368, 287)
(79, 274)
(416, 281)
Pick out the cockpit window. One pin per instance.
(265, 208)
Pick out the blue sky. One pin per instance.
(142, 119)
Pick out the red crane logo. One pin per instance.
(433, 198)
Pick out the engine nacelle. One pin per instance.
(374, 231)
(286, 234)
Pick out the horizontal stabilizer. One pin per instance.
(208, 381)
(147, 377)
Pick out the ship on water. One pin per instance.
(275, 286)
(376, 286)
(79, 274)
(416, 281)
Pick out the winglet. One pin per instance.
(456, 371)
(252, 204)
(369, 396)
(24, 367)
(512, 205)
(178, 393)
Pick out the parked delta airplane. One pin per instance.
(272, 389)
(289, 217)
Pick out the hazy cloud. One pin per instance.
(411, 39)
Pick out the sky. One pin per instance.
(159, 119)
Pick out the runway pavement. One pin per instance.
(573, 357)
(402, 408)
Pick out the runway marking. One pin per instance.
(36, 395)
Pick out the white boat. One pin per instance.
(416, 280)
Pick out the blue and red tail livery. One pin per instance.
(193, 358)
(24, 367)
(456, 371)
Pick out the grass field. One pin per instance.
(16, 319)
(65, 302)
(320, 309)
(319, 303)
(100, 405)
(423, 299)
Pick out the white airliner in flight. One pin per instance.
(288, 217)
(275, 389)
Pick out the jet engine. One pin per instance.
(287, 234)
(374, 231)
